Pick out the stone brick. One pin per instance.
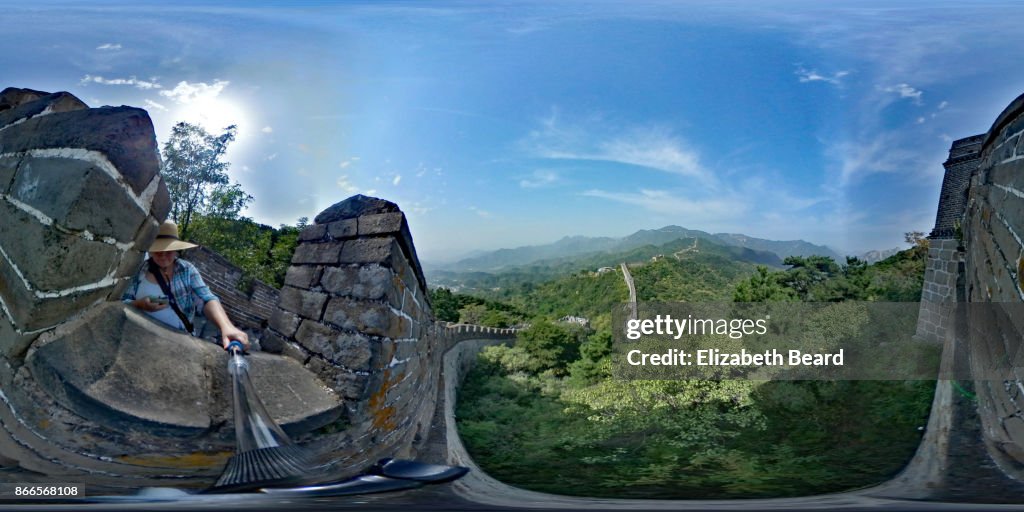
(131, 262)
(285, 322)
(371, 318)
(343, 229)
(304, 276)
(77, 195)
(12, 343)
(313, 232)
(355, 206)
(369, 250)
(123, 134)
(56, 102)
(1010, 174)
(271, 341)
(1010, 210)
(294, 351)
(1006, 242)
(352, 351)
(324, 253)
(305, 303)
(381, 223)
(49, 259)
(1005, 149)
(1015, 126)
(147, 234)
(31, 312)
(406, 349)
(350, 385)
(316, 337)
(161, 205)
(8, 168)
(369, 281)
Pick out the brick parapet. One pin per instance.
(249, 310)
(355, 311)
(964, 155)
(993, 230)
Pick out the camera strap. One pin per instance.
(155, 270)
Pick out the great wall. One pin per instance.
(354, 362)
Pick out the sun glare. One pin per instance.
(215, 114)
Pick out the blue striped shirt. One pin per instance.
(186, 285)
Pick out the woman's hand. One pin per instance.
(215, 312)
(233, 333)
(147, 305)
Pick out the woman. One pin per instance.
(167, 288)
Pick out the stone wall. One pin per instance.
(945, 250)
(80, 188)
(80, 198)
(354, 310)
(96, 392)
(993, 231)
(91, 390)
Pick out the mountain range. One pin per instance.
(575, 246)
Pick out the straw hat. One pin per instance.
(167, 239)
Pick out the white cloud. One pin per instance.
(906, 91)
(155, 105)
(267, 129)
(109, 46)
(420, 209)
(653, 147)
(345, 163)
(943, 105)
(397, 179)
(812, 75)
(344, 184)
(134, 82)
(673, 203)
(481, 213)
(271, 156)
(186, 92)
(886, 152)
(539, 178)
(656, 150)
(351, 188)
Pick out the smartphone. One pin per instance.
(158, 300)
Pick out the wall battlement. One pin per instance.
(96, 392)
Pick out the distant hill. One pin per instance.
(708, 251)
(782, 248)
(572, 246)
(876, 256)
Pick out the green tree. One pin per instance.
(762, 287)
(551, 345)
(446, 306)
(196, 175)
(472, 314)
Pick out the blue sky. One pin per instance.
(500, 124)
